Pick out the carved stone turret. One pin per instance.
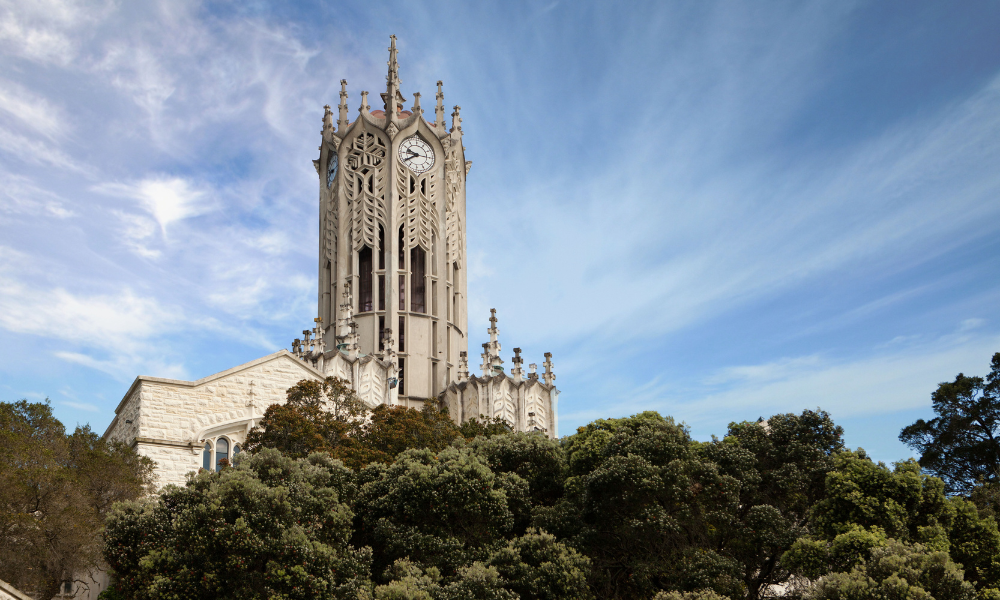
(439, 110)
(342, 121)
(327, 120)
(549, 376)
(517, 372)
(463, 366)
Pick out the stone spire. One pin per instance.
(392, 97)
(342, 121)
(517, 371)
(416, 104)
(364, 103)
(492, 363)
(532, 374)
(487, 365)
(548, 376)
(463, 366)
(456, 120)
(347, 326)
(439, 111)
(327, 119)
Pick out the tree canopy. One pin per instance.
(55, 491)
(961, 445)
(397, 503)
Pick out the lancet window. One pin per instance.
(418, 284)
(365, 279)
(221, 452)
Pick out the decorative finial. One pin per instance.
(517, 372)
(342, 122)
(456, 120)
(364, 103)
(392, 96)
(416, 103)
(549, 376)
(327, 119)
(532, 375)
(463, 366)
(439, 111)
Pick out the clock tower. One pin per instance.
(392, 264)
(391, 307)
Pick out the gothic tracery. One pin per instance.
(415, 209)
(366, 188)
(453, 186)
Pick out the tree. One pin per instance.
(781, 466)
(444, 509)
(55, 490)
(897, 570)
(962, 444)
(868, 505)
(484, 427)
(541, 462)
(536, 566)
(270, 527)
(318, 416)
(393, 429)
(644, 506)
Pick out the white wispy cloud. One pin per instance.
(167, 199)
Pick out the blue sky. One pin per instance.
(719, 211)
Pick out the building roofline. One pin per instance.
(204, 380)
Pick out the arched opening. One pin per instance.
(365, 283)
(418, 284)
(236, 450)
(221, 452)
(206, 457)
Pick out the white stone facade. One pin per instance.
(392, 247)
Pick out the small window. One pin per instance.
(402, 292)
(236, 450)
(206, 457)
(67, 587)
(221, 452)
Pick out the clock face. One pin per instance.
(416, 154)
(331, 169)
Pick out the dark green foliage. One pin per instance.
(55, 491)
(869, 506)
(628, 508)
(962, 444)
(535, 458)
(538, 567)
(439, 509)
(644, 506)
(269, 527)
(780, 466)
(897, 571)
(484, 427)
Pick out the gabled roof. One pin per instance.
(279, 355)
